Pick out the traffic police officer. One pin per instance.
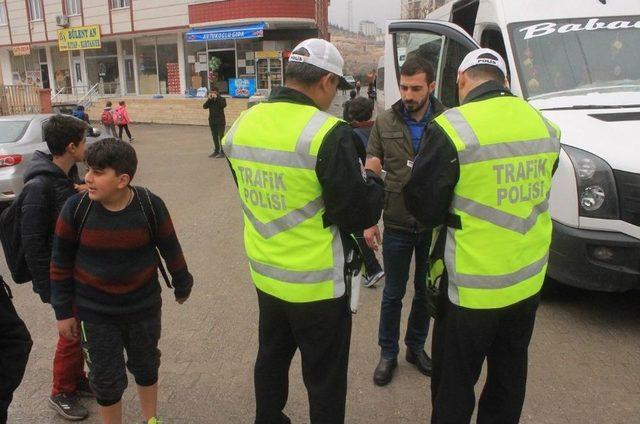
(304, 190)
(484, 176)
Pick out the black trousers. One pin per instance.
(15, 345)
(322, 332)
(217, 132)
(126, 129)
(462, 340)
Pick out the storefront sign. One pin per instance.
(24, 50)
(226, 33)
(79, 38)
(268, 54)
(240, 87)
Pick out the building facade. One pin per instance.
(153, 46)
(368, 28)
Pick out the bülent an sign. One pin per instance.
(79, 38)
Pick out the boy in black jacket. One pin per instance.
(49, 182)
(15, 345)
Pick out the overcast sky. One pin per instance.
(377, 11)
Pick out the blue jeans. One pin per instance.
(397, 249)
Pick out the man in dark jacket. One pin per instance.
(15, 345)
(49, 182)
(217, 121)
(393, 144)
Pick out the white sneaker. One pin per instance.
(371, 280)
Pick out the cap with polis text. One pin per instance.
(483, 57)
(323, 55)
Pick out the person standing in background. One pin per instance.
(123, 120)
(345, 106)
(217, 121)
(361, 111)
(108, 120)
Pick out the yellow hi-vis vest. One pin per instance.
(506, 152)
(273, 150)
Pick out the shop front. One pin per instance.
(251, 57)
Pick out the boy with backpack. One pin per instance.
(122, 120)
(360, 113)
(105, 262)
(108, 121)
(49, 181)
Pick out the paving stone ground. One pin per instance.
(585, 352)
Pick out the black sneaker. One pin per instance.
(83, 389)
(371, 280)
(68, 407)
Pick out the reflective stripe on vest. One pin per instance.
(476, 278)
(277, 240)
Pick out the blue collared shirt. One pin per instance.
(417, 127)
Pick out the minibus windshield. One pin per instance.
(577, 56)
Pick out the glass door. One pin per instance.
(77, 72)
(275, 72)
(263, 74)
(129, 75)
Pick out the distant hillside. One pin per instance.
(360, 53)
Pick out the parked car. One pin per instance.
(20, 137)
(351, 80)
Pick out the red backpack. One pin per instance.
(119, 117)
(107, 118)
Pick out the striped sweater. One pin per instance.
(110, 274)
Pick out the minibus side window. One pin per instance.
(492, 39)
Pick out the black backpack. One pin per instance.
(84, 206)
(11, 238)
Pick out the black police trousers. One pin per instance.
(322, 332)
(15, 346)
(462, 340)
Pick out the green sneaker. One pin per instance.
(154, 420)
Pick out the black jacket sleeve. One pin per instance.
(36, 225)
(434, 176)
(207, 104)
(353, 199)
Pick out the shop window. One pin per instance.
(201, 56)
(26, 69)
(168, 68)
(118, 4)
(72, 7)
(127, 47)
(35, 10)
(3, 14)
(102, 67)
(61, 71)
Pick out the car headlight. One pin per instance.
(597, 193)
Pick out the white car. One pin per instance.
(20, 137)
(351, 80)
(577, 62)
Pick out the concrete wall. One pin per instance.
(178, 111)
